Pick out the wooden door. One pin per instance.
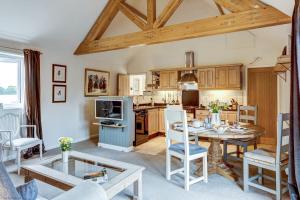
(262, 91)
(221, 77)
(164, 80)
(173, 79)
(123, 85)
(234, 77)
(202, 78)
(210, 78)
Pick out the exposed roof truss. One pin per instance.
(243, 15)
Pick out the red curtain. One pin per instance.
(294, 154)
(32, 95)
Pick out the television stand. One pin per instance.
(107, 123)
(110, 126)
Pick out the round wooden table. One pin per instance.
(215, 156)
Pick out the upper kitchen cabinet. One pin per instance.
(223, 77)
(234, 77)
(165, 79)
(206, 78)
(228, 77)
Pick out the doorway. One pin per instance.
(262, 91)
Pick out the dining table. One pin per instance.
(216, 165)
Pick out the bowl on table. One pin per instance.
(197, 123)
(221, 129)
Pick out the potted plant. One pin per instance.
(65, 146)
(215, 107)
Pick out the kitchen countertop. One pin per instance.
(149, 107)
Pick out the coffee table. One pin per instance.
(67, 175)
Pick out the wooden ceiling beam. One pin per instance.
(167, 13)
(151, 12)
(233, 22)
(221, 11)
(103, 21)
(133, 16)
(134, 10)
(240, 5)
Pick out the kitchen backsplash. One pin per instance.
(205, 96)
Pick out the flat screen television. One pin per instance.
(190, 98)
(109, 109)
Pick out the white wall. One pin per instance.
(74, 117)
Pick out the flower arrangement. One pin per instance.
(217, 106)
(65, 143)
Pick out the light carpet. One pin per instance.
(155, 186)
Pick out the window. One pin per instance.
(11, 80)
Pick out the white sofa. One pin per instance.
(86, 190)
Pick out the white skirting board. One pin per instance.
(114, 147)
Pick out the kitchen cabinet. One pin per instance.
(202, 78)
(211, 78)
(231, 116)
(173, 76)
(221, 77)
(161, 120)
(153, 123)
(228, 77)
(206, 78)
(168, 80)
(234, 77)
(201, 114)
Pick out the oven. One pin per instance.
(141, 127)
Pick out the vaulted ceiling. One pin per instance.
(235, 15)
(64, 24)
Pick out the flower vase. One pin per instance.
(215, 119)
(65, 156)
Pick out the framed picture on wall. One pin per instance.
(59, 73)
(59, 93)
(96, 82)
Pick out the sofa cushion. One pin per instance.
(28, 191)
(193, 148)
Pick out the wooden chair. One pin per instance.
(11, 137)
(275, 161)
(243, 116)
(182, 149)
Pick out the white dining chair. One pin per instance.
(243, 115)
(12, 138)
(178, 146)
(274, 161)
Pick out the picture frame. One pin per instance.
(59, 93)
(59, 73)
(96, 82)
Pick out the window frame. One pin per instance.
(19, 59)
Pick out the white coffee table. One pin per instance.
(67, 175)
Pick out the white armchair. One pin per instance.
(12, 139)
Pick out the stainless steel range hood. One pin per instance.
(189, 80)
